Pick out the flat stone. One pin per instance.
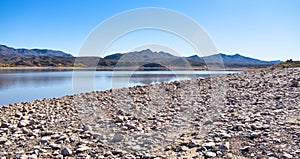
(25, 130)
(180, 149)
(254, 135)
(55, 146)
(5, 125)
(23, 123)
(192, 144)
(245, 149)
(66, 151)
(286, 155)
(210, 154)
(225, 135)
(224, 146)
(209, 145)
(117, 138)
(82, 148)
(45, 139)
(18, 114)
(3, 140)
(87, 128)
(46, 133)
(33, 156)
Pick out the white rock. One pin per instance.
(286, 155)
(209, 144)
(225, 135)
(3, 140)
(210, 154)
(45, 139)
(82, 148)
(23, 123)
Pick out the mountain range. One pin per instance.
(5, 50)
(43, 57)
(145, 56)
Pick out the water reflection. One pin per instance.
(12, 80)
(28, 86)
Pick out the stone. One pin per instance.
(208, 122)
(209, 145)
(66, 151)
(295, 83)
(3, 140)
(117, 138)
(245, 149)
(18, 114)
(210, 154)
(45, 139)
(46, 133)
(168, 148)
(87, 128)
(23, 123)
(225, 135)
(201, 149)
(224, 146)
(5, 125)
(32, 134)
(286, 155)
(82, 148)
(25, 130)
(219, 153)
(180, 149)
(192, 144)
(254, 135)
(33, 156)
(55, 146)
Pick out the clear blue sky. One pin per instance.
(264, 29)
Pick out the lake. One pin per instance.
(28, 86)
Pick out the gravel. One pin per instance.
(259, 117)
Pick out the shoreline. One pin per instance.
(258, 106)
(120, 69)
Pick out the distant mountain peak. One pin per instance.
(143, 55)
(146, 51)
(237, 54)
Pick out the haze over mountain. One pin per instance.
(9, 51)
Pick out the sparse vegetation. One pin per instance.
(289, 63)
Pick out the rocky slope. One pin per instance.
(257, 118)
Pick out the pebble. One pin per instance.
(286, 155)
(23, 123)
(45, 139)
(192, 144)
(82, 148)
(210, 154)
(209, 145)
(180, 149)
(3, 140)
(256, 119)
(117, 138)
(66, 151)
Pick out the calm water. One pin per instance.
(28, 86)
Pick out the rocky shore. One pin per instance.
(258, 116)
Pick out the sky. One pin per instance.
(263, 29)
